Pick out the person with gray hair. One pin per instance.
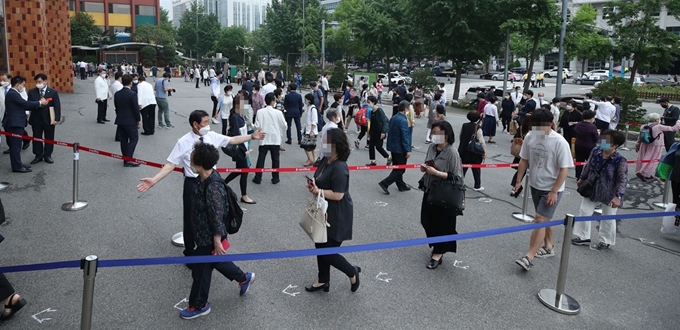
(333, 117)
(651, 146)
(399, 143)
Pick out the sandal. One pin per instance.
(545, 252)
(13, 307)
(524, 262)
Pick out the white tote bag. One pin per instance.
(313, 220)
(668, 224)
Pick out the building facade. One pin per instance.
(330, 5)
(178, 9)
(118, 16)
(35, 38)
(247, 13)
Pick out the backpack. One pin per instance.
(233, 215)
(360, 116)
(647, 135)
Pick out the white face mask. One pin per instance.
(40, 86)
(438, 139)
(569, 107)
(326, 150)
(135, 81)
(204, 130)
(538, 131)
(4, 83)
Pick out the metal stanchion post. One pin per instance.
(89, 267)
(664, 201)
(625, 142)
(4, 185)
(178, 239)
(523, 216)
(556, 299)
(75, 204)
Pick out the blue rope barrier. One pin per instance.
(43, 266)
(625, 216)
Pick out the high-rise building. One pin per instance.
(247, 13)
(330, 5)
(118, 15)
(167, 5)
(178, 9)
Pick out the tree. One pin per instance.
(521, 46)
(536, 20)
(148, 54)
(198, 31)
(231, 37)
(348, 39)
(153, 34)
(338, 76)
(638, 36)
(309, 73)
(388, 26)
(582, 41)
(83, 29)
(166, 23)
(425, 78)
(260, 42)
(630, 105)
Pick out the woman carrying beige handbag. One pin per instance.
(313, 220)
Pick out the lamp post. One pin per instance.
(560, 62)
(245, 50)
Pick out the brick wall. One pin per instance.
(39, 41)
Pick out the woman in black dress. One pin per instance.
(237, 126)
(332, 176)
(569, 120)
(507, 108)
(466, 132)
(436, 220)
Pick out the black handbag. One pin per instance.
(474, 146)
(587, 188)
(448, 194)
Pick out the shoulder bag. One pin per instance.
(516, 145)
(313, 220)
(448, 194)
(587, 187)
(475, 146)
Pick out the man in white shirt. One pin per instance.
(324, 82)
(541, 100)
(549, 157)
(555, 110)
(101, 89)
(83, 70)
(606, 111)
(269, 87)
(260, 77)
(215, 93)
(516, 96)
(442, 90)
(211, 73)
(117, 84)
(147, 103)
(270, 121)
(181, 155)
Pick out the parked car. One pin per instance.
(499, 76)
(595, 73)
(571, 97)
(471, 93)
(520, 71)
(555, 73)
(639, 81)
(352, 66)
(441, 72)
(589, 80)
(393, 78)
(659, 81)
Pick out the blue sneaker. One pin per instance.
(192, 313)
(245, 285)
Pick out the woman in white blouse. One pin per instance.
(491, 120)
(309, 140)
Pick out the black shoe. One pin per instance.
(106, 120)
(26, 166)
(6, 152)
(251, 202)
(325, 287)
(26, 145)
(434, 263)
(144, 133)
(255, 181)
(130, 164)
(275, 181)
(49, 160)
(36, 160)
(355, 286)
(579, 241)
(384, 188)
(289, 142)
(516, 193)
(13, 307)
(22, 170)
(407, 188)
(100, 122)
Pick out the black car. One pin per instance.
(491, 75)
(589, 80)
(659, 81)
(518, 70)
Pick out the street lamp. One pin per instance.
(245, 50)
(197, 13)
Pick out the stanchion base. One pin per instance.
(71, 206)
(565, 304)
(624, 149)
(178, 239)
(523, 217)
(4, 185)
(661, 205)
(597, 211)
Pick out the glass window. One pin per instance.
(72, 5)
(93, 7)
(674, 29)
(116, 8)
(145, 10)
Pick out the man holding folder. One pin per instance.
(44, 119)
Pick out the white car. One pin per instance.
(352, 66)
(555, 73)
(597, 73)
(394, 78)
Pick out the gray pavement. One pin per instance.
(631, 286)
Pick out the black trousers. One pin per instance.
(362, 133)
(262, 154)
(506, 122)
(376, 143)
(476, 174)
(148, 114)
(601, 125)
(241, 163)
(225, 125)
(675, 192)
(42, 130)
(82, 74)
(202, 276)
(215, 101)
(396, 176)
(6, 288)
(324, 263)
(298, 128)
(197, 80)
(189, 240)
(15, 147)
(581, 155)
(668, 139)
(129, 135)
(101, 110)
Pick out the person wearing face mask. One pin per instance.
(135, 82)
(586, 137)
(5, 79)
(569, 119)
(442, 162)
(15, 122)
(507, 108)
(44, 119)
(606, 112)
(549, 157)
(271, 122)
(128, 118)
(199, 121)
(101, 88)
(609, 188)
(334, 118)
(467, 131)
(377, 131)
(224, 106)
(399, 143)
(238, 127)
(653, 150)
(670, 116)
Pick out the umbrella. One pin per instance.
(618, 69)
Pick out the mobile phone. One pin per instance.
(430, 163)
(225, 245)
(309, 180)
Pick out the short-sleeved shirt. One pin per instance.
(181, 153)
(340, 214)
(160, 89)
(318, 94)
(546, 156)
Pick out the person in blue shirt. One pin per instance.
(399, 143)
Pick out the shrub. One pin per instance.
(337, 76)
(425, 78)
(514, 64)
(148, 53)
(309, 73)
(630, 105)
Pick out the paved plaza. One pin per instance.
(630, 286)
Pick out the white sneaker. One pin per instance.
(215, 121)
(478, 189)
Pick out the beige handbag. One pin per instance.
(313, 220)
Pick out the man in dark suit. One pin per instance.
(41, 120)
(529, 105)
(15, 120)
(127, 119)
(248, 87)
(293, 105)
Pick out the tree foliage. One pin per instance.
(337, 76)
(231, 37)
(630, 105)
(148, 53)
(83, 29)
(198, 31)
(582, 41)
(425, 78)
(309, 73)
(153, 34)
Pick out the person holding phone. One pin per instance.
(209, 202)
(442, 162)
(467, 131)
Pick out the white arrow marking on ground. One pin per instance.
(457, 263)
(45, 319)
(387, 280)
(485, 200)
(185, 300)
(379, 203)
(290, 286)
